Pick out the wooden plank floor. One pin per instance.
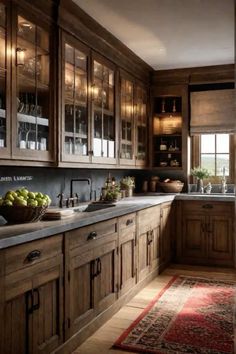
(101, 341)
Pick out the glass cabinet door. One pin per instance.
(103, 112)
(141, 124)
(32, 86)
(127, 120)
(3, 78)
(75, 144)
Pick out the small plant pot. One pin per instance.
(129, 192)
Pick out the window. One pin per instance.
(214, 153)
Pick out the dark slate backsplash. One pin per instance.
(53, 181)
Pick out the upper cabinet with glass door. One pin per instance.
(75, 125)
(33, 92)
(4, 76)
(127, 148)
(103, 112)
(140, 115)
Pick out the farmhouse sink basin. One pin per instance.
(93, 207)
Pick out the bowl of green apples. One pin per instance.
(21, 206)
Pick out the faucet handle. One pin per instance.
(61, 198)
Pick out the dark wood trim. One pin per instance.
(197, 75)
(45, 10)
(74, 20)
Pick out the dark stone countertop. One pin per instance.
(11, 235)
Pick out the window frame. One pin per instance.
(196, 158)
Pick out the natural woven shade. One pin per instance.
(213, 112)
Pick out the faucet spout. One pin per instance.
(88, 180)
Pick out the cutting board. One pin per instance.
(57, 214)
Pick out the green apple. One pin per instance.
(18, 201)
(31, 195)
(32, 202)
(41, 202)
(40, 195)
(9, 196)
(7, 202)
(24, 192)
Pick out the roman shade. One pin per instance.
(213, 112)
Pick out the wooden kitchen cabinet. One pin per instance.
(91, 273)
(33, 297)
(205, 233)
(75, 144)
(127, 252)
(148, 240)
(133, 121)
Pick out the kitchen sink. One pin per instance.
(93, 207)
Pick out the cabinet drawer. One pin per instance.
(91, 234)
(20, 257)
(210, 207)
(127, 222)
(148, 218)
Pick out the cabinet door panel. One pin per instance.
(194, 236)
(47, 315)
(165, 234)
(127, 265)
(154, 247)
(105, 283)
(143, 256)
(15, 328)
(220, 238)
(81, 294)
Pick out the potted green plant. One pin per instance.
(200, 173)
(127, 184)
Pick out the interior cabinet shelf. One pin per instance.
(31, 119)
(167, 132)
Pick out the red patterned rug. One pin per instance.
(190, 315)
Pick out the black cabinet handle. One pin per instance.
(33, 255)
(129, 222)
(31, 304)
(207, 206)
(92, 235)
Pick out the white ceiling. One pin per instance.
(169, 34)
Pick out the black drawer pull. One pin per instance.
(33, 255)
(129, 222)
(92, 235)
(207, 206)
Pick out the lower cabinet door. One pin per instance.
(47, 316)
(33, 313)
(127, 262)
(105, 281)
(16, 326)
(79, 298)
(143, 255)
(194, 237)
(165, 241)
(220, 239)
(154, 247)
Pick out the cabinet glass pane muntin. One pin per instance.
(141, 122)
(127, 112)
(75, 99)
(3, 71)
(33, 90)
(103, 111)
